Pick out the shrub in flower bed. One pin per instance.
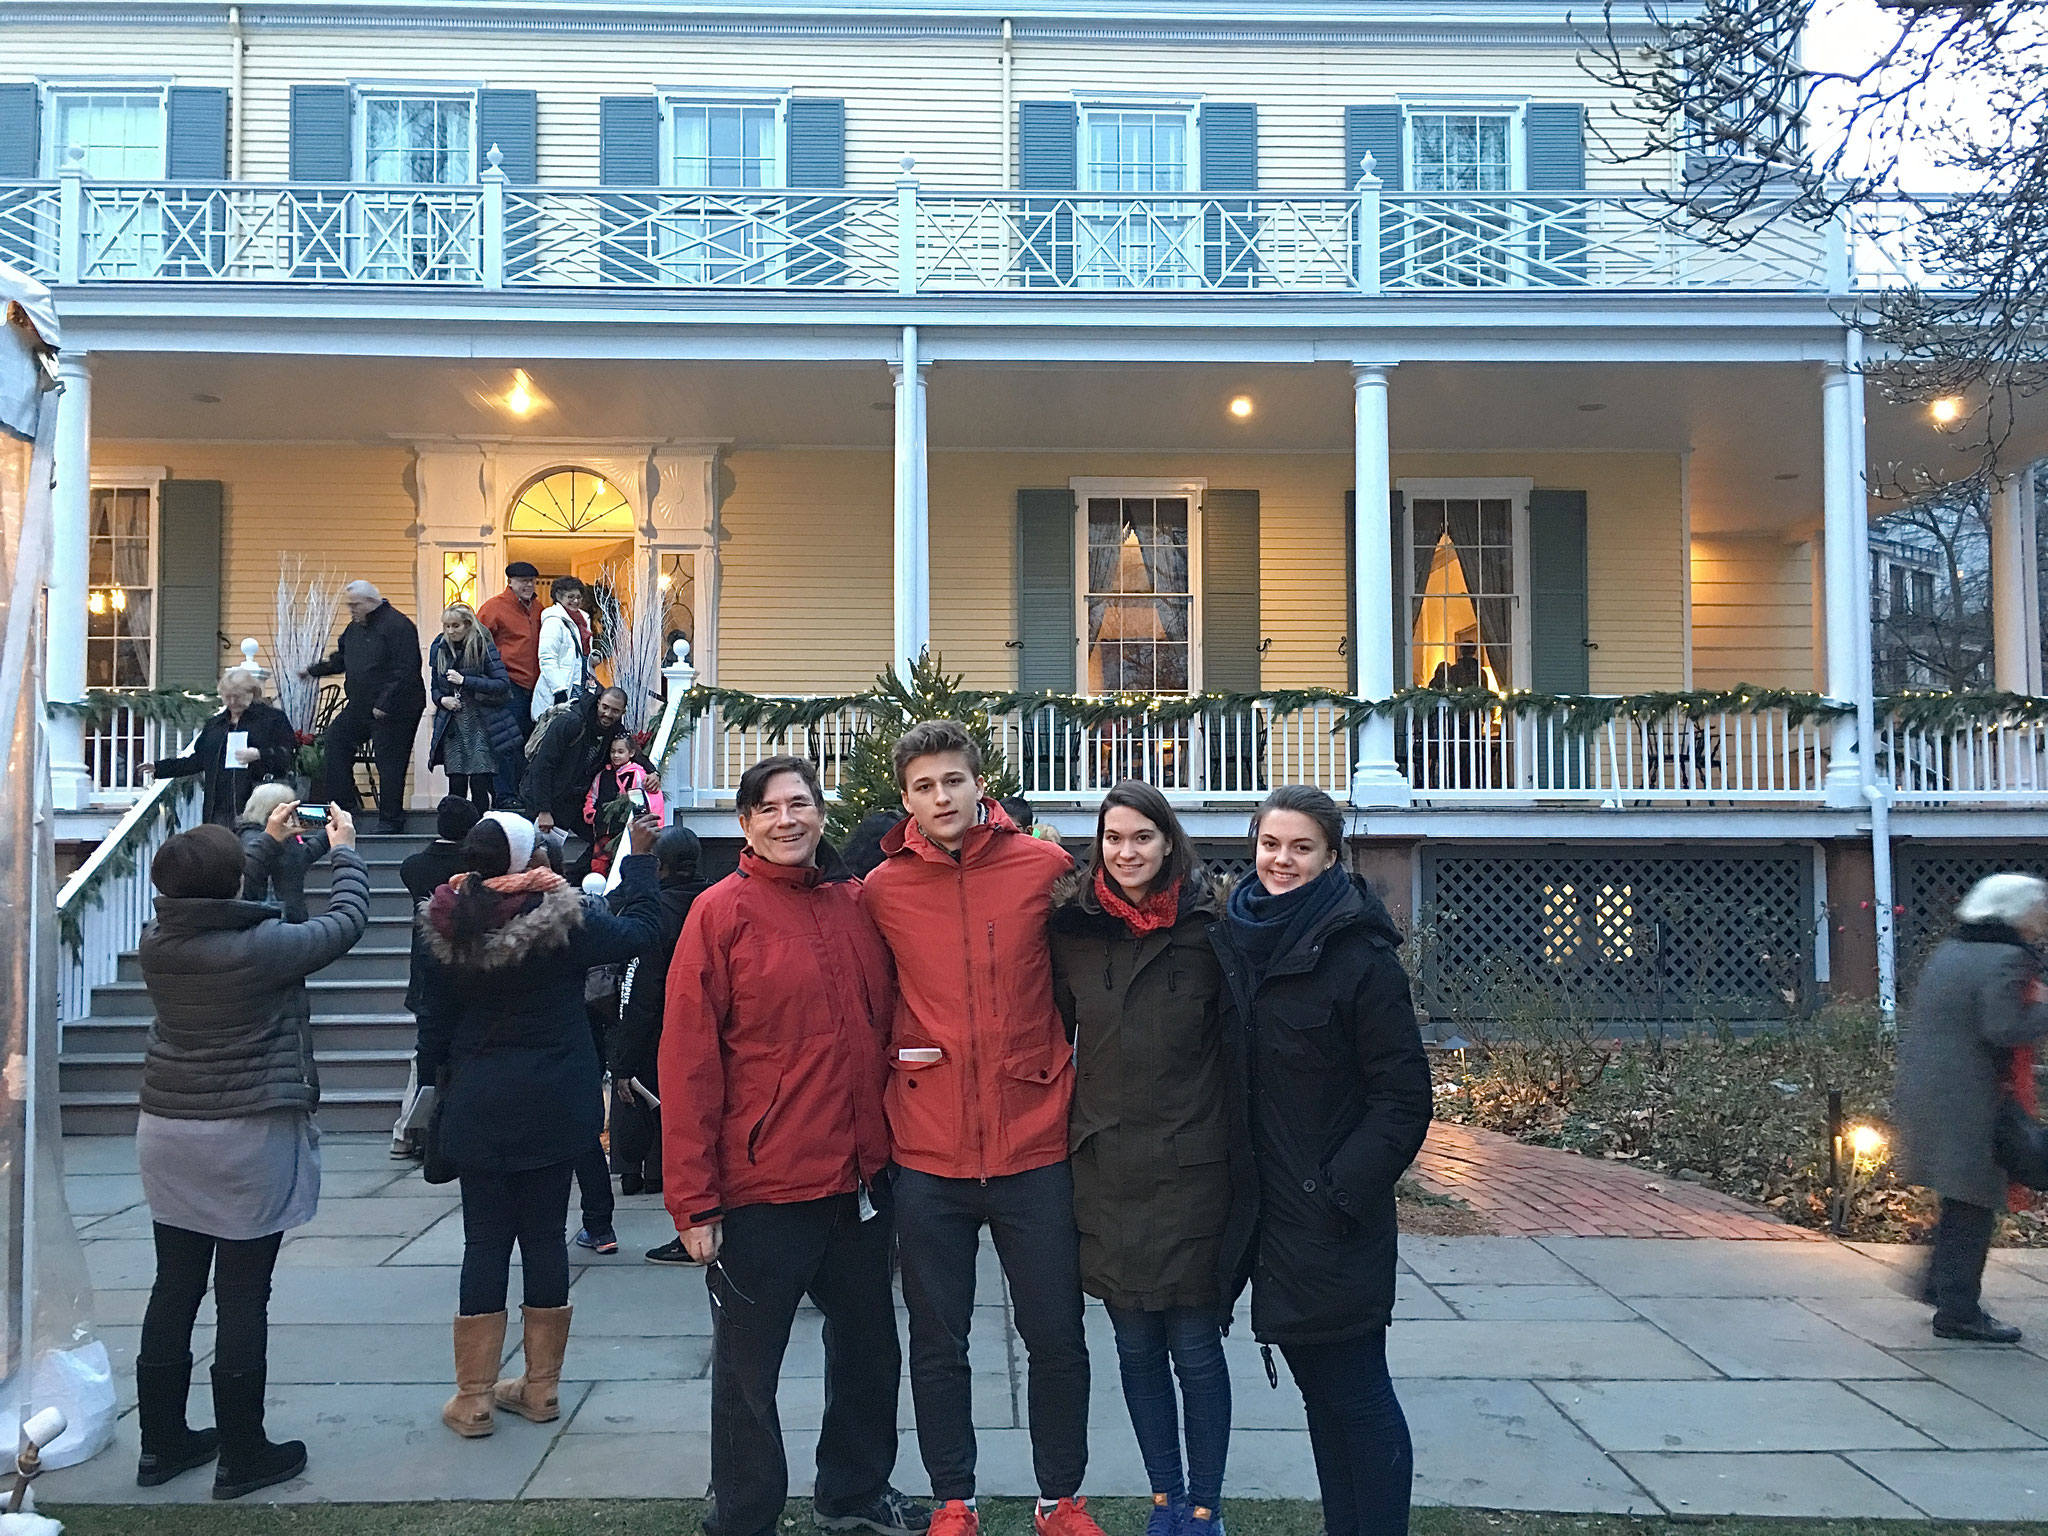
(1744, 1113)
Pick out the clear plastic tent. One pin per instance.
(49, 1352)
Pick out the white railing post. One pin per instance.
(1368, 227)
(1837, 256)
(71, 215)
(493, 232)
(678, 743)
(906, 226)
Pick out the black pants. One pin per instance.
(480, 789)
(1031, 1217)
(775, 1255)
(390, 739)
(636, 1136)
(499, 1209)
(1365, 1462)
(1962, 1242)
(241, 1297)
(594, 1184)
(522, 710)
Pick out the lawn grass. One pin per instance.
(1000, 1517)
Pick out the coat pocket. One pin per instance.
(1206, 1144)
(922, 1101)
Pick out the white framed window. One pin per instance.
(121, 128)
(1465, 572)
(723, 143)
(1453, 148)
(120, 602)
(416, 138)
(1138, 584)
(1138, 242)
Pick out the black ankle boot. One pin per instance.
(168, 1446)
(248, 1460)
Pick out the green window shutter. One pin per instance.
(1374, 129)
(319, 137)
(1558, 659)
(188, 584)
(628, 139)
(1230, 592)
(817, 141)
(1230, 146)
(1048, 146)
(1556, 148)
(1397, 640)
(1045, 591)
(511, 121)
(21, 132)
(196, 134)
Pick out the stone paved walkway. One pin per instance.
(1694, 1377)
(1541, 1192)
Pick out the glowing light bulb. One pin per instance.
(120, 599)
(1946, 410)
(600, 489)
(519, 399)
(1866, 1141)
(1241, 407)
(97, 602)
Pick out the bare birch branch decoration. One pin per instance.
(304, 621)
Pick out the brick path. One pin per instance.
(1540, 1192)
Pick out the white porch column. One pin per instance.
(1376, 778)
(913, 511)
(2015, 586)
(71, 517)
(1844, 507)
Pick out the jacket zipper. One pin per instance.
(973, 1097)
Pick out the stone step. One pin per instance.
(342, 1032)
(368, 961)
(130, 999)
(121, 1071)
(343, 1109)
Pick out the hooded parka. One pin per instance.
(1156, 1170)
(1980, 995)
(1337, 1102)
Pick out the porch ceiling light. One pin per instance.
(521, 399)
(1946, 411)
(1241, 406)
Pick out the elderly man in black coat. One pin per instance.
(571, 750)
(378, 657)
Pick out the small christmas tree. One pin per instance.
(867, 782)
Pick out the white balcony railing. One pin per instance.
(493, 236)
(117, 748)
(1458, 755)
(1984, 761)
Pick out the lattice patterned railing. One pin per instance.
(1980, 761)
(1454, 754)
(29, 218)
(244, 233)
(580, 237)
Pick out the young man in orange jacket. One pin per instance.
(981, 1074)
(774, 1158)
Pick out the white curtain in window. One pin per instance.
(122, 135)
(723, 146)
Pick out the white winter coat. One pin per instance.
(564, 660)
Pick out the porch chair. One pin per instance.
(329, 705)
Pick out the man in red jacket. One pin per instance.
(774, 1157)
(981, 1074)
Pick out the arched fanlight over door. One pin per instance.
(570, 501)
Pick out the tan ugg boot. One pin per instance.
(479, 1349)
(534, 1395)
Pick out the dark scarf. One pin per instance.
(1264, 927)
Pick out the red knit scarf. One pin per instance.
(1158, 910)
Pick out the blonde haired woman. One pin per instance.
(229, 771)
(476, 737)
(277, 849)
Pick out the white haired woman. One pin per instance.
(278, 849)
(229, 770)
(1979, 1007)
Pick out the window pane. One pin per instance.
(122, 136)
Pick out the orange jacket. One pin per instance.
(517, 631)
(771, 1043)
(974, 981)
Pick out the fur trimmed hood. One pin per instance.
(535, 925)
(1075, 909)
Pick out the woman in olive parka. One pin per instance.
(1156, 1165)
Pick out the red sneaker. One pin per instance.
(1069, 1517)
(954, 1518)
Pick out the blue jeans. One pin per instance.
(1193, 1340)
(1364, 1460)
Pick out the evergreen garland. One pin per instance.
(164, 706)
(70, 914)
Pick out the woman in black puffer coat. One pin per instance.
(1339, 1102)
(505, 947)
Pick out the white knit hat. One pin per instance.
(519, 833)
